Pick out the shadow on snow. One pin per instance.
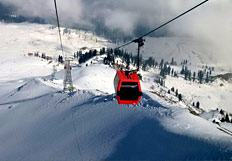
(147, 140)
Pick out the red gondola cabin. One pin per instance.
(127, 87)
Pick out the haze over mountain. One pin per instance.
(134, 17)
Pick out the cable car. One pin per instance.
(127, 87)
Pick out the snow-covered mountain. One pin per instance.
(181, 48)
(19, 39)
(40, 122)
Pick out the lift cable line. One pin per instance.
(141, 37)
(67, 82)
(58, 24)
(127, 83)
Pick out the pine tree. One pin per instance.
(172, 62)
(180, 97)
(153, 62)
(207, 77)
(156, 64)
(177, 92)
(161, 63)
(194, 76)
(102, 51)
(185, 75)
(144, 66)
(222, 119)
(175, 74)
(200, 76)
(61, 59)
(165, 69)
(182, 70)
(227, 119)
(221, 112)
(169, 70)
(127, 58)
(190, 75)
(111, 51)
(162, 72)
(150, 61)
(105, 60)
(95, 52)
(173, 89)
(172, 71)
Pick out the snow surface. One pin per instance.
(211, 95)
(40, 122)
(24, 38)
(51, 125)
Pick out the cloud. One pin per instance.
(211, 23)
(121, 14)
(70, 11)
(119, 20)
(212, 26)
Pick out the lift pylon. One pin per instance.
(68, 84)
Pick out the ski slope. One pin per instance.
(211, 95)
(40, 122)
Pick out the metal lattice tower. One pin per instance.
(54, 73)
(68, 84)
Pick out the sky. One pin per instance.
(210, 23)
